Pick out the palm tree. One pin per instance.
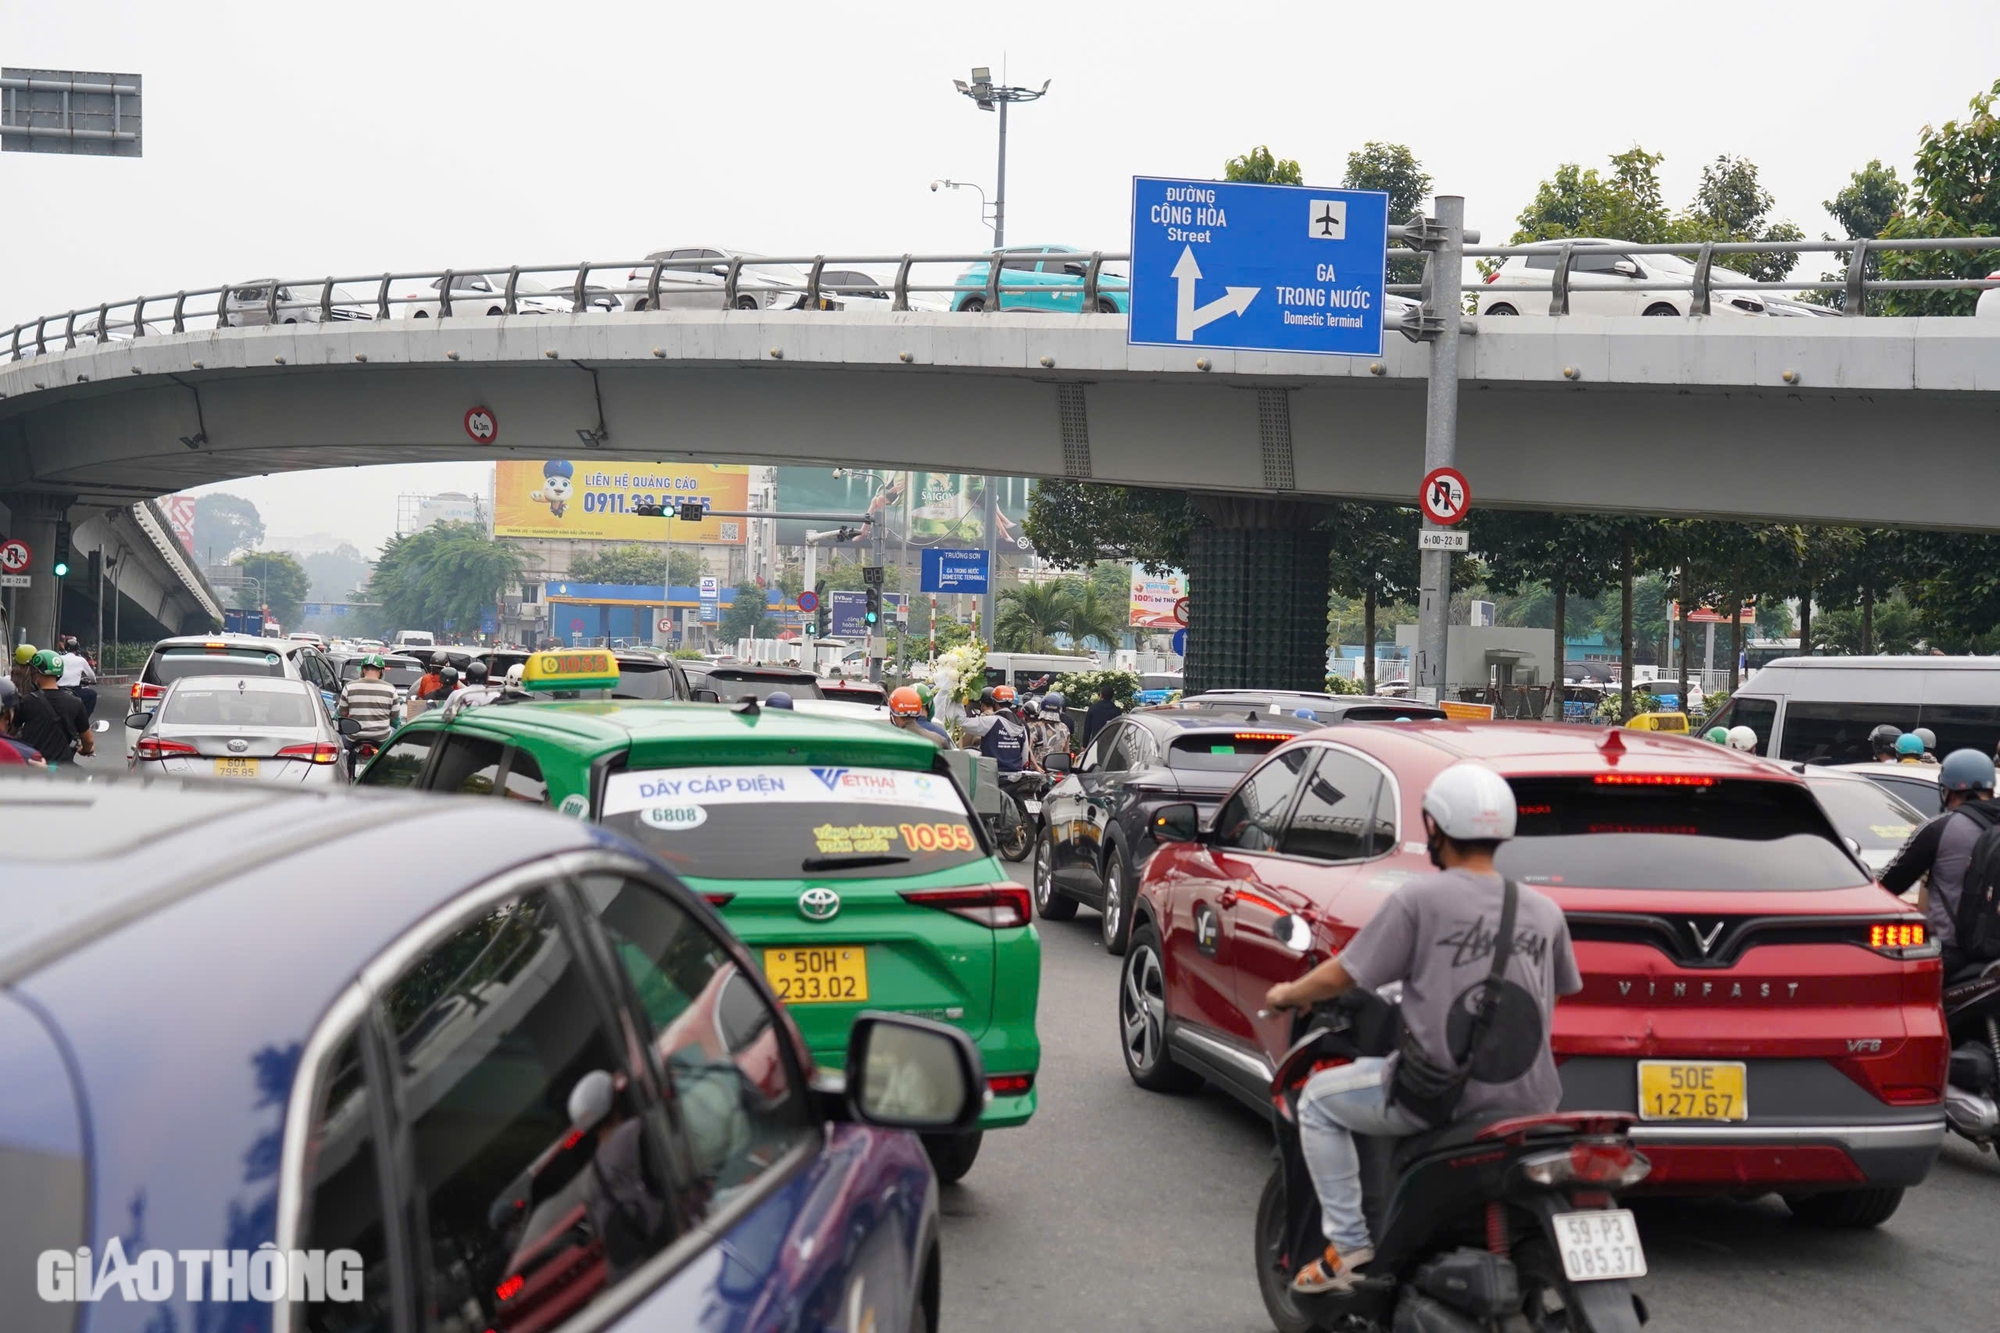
(1091, 615)
(1030, 615)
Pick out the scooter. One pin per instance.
(1508, 1223)
(1016, 829)
(1972, 1097)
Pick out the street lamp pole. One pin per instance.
(989, 96)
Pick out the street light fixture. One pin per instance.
(989, 96)
(985, 206)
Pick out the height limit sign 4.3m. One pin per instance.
(1271, 268)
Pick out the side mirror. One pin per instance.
(1073, 270)
(1177, 823)
(707, 697)
(350, 726)
(102, 725)
(1059, 763)
(1293, 933)
(912, 1073)
(1625, 268)
(1853, 845)
(138, 721)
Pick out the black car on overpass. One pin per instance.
(1097, 819)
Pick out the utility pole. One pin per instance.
(1443, 236)
(989, 96)
(989, 504)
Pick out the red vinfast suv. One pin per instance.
(1768, 1012)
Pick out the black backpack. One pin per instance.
(1977, 920)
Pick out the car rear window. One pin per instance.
(398, 675)
(171, 664)
(1223, 751)
(1636, 831)
(1872, 816)
(1388, 713)
(735, 686)
(781, 821)
(239, 708)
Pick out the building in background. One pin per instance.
(414, 513)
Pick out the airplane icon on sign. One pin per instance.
(1326, 219)
(1327, 222)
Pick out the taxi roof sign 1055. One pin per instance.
(1273, 268)
(570, 669)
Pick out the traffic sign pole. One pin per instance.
(1444, 238)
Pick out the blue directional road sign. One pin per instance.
(953, 571)
(1270, 268)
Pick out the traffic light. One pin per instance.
(62, 548)
(95, 565)
(823, 618)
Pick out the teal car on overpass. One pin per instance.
(1053, 277)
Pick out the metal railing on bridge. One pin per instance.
(1052, 281)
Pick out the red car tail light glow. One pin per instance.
(152, 747)
(142, 693)
(1651, 780)
(717, 899)
(318, 753)
(1896, 935)
(1261, 736)
(1009, 1085)
(1000, 906)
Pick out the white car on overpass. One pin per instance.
(697, 279)
(485, 294)
(1606, 280)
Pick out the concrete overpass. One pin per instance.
(1882, 421)
(150, 586)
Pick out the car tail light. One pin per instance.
(1494, 276)
(717, 899)
(319, 752)
(1902, 939)
(143, 693)
(1000, 906)
(1651, 780)
(1262, 736)
(1612, 1164)
(152, 747)
(1009, 1085)
(510, 1288)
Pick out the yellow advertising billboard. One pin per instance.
(567, 497)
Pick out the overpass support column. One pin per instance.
(1257, 581)
(33, 517)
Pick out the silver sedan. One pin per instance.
(260, 728)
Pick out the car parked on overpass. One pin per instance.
(1603, 278)
(484, 294)
(696, 282)
(249, 305)
(1728, 940)
(531, 1026)
(1053, 276)
(1097, 821)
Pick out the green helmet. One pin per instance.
(1720, 735)
(46, 663)
(929, 696)
(24, 654)
(375, 660)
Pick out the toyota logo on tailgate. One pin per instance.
(819, 904)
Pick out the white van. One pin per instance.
(1033, 673)
(411, 640)
(1819, 710)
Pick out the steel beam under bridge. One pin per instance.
(1875, 421)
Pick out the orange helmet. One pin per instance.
(904, 701)
(1003, 694)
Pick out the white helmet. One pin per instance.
(515, 675)
(590, 1099)
(1742, 738)
(1471, 803)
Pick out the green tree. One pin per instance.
(1393, 169)
(748, 616)
(635, 562)
(1258, 167)
(1871, 566)
(1374, 561)
(1731, 204)
(336, 573)
(1870, 199)
(1029, 616)
(1570, 553)
(1954, 191)
(283, 579)
(1093, 615)
(1074, 524)
(444, 577)
(223, 525)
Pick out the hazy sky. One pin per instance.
(362, 136)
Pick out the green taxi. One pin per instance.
(841, 851)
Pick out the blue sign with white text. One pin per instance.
(847, 614)
(1272, 268)
(953, 571)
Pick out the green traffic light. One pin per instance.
(62, 569)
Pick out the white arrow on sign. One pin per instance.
(1191, 316)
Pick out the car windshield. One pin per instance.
(1878, 820)
(400, 674)
(211, 707)
(1640, 831)
(780, 821)
(735, 686)
(171, 664)
(1223, 751)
